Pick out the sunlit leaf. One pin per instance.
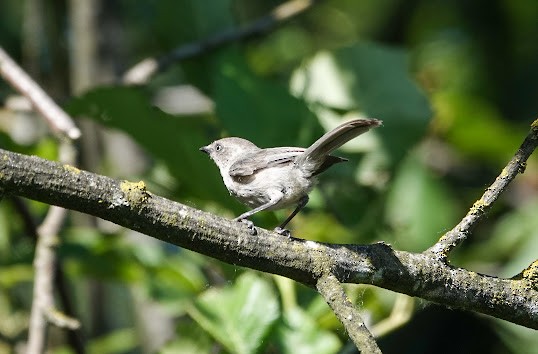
(174, 140)
(375, 81)
(239, 316)
(513, 242)
(258, 109)
(475, 127)
(118, 341)
(191, 340)
(87, 252)
(419, 207)
(300, 334)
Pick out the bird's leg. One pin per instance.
(250, 226)
(281, 229)
(243, 217)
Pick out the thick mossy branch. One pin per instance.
(132, 206)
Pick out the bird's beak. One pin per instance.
(205, 149)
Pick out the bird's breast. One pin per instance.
(287, 182)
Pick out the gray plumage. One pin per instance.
(276, 178)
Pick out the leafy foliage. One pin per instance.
(454, 83)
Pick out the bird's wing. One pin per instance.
(315, 157)
(264, 158)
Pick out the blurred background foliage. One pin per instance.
(455, 82)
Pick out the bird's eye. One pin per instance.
(218, 147)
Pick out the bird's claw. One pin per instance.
(250, 225)
(284, 232)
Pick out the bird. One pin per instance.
(279, 177)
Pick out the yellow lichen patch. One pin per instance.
(135, 192)
(531, 274)
(478, 207)
(72, 169)
(321, 261)
(504, 173)
(534, 125)
(522, 167)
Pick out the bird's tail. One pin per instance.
(314, 157)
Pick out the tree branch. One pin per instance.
(131, 205)
(59, 280)
(479, 209)
(401, 313)
(43, 308)
(332, 291)
(144, 70)
(57, 119)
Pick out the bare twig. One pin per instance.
(57, 119)
(143, 71)
(44, 265)
(59, 278)
(45, 259)
(332, 291)
(401, 313)
(479, 209)
(59, 319)
(43, 308)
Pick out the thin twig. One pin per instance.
(43, 308)
(59, 319)
(143, 71)
(44, 269)
(45, 258)
(401, 313)
(479, 209)
(332, 291)
(57, 119)
(30, 228)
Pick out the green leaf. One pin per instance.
(5, 234)
(118, 341)
(419, 207)
(305, 314)
(176, 280)
(88, 252)
(258, 109)
(12, 275)
(300, 334)
(373, 80)
(169, 24)
(192, 340)
(239, 316)
(174, 140)
(514, 238)
(476, 127)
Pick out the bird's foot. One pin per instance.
(284, 232)
(250, 225)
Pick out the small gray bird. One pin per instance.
(276, 178)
